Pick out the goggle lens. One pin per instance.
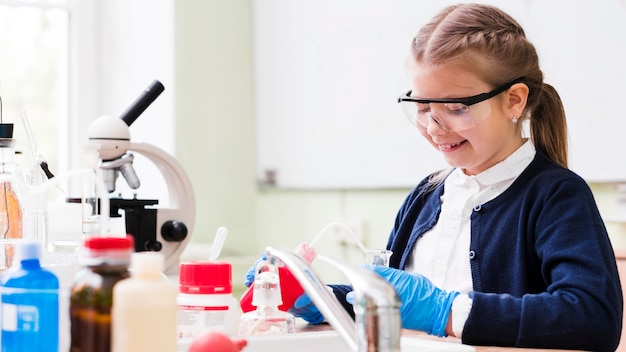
(451, 117)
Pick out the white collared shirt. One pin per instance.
(442, 253)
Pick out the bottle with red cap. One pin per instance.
(205, 300)
(106, 261)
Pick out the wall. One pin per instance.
(214, 124)
(215, 143)
(327, 74)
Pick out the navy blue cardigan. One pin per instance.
(543, 270)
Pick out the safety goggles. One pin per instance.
(450, 114)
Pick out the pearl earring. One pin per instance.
(514, 120)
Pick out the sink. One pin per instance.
(331, 341)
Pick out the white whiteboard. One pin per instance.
(327, 74)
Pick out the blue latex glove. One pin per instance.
(424, 306)
(304, 308)
(252, 271)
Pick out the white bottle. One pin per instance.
(144, 308)
(205, 299)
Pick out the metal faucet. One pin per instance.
(377, 325)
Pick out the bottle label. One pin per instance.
(193, 321)
(20, 317)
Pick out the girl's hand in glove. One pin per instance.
(250, 274)
(304, 308)
(424, 306)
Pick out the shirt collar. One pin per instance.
(509, 168)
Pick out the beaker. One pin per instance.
(377, 256)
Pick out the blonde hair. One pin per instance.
(489, 42)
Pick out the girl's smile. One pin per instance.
(451, 147)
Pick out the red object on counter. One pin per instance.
(214, 341)
(290, 288)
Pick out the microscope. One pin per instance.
(160, 229)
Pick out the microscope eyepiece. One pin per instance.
(143, 101)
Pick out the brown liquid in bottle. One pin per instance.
(91, 296)
(90, 309)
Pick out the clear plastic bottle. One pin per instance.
(267, 319)
(290, 287)
(36, 215)
(35, 222)
(144, 309)
(11, 205)
(106, 261)
(205, 299)
(30, 303)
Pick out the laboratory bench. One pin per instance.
(423, 335)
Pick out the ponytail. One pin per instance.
(548, 126)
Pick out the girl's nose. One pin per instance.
(434, 125)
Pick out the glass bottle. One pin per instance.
(91, 299)
(11, 205)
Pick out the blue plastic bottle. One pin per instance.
(30, 304)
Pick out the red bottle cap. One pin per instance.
(112, 250)
(102, 243)
(205, 277)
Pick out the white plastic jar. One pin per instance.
(205, 299)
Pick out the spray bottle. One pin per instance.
(267, 319)
(290, 288)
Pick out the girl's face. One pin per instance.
(476, 149)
